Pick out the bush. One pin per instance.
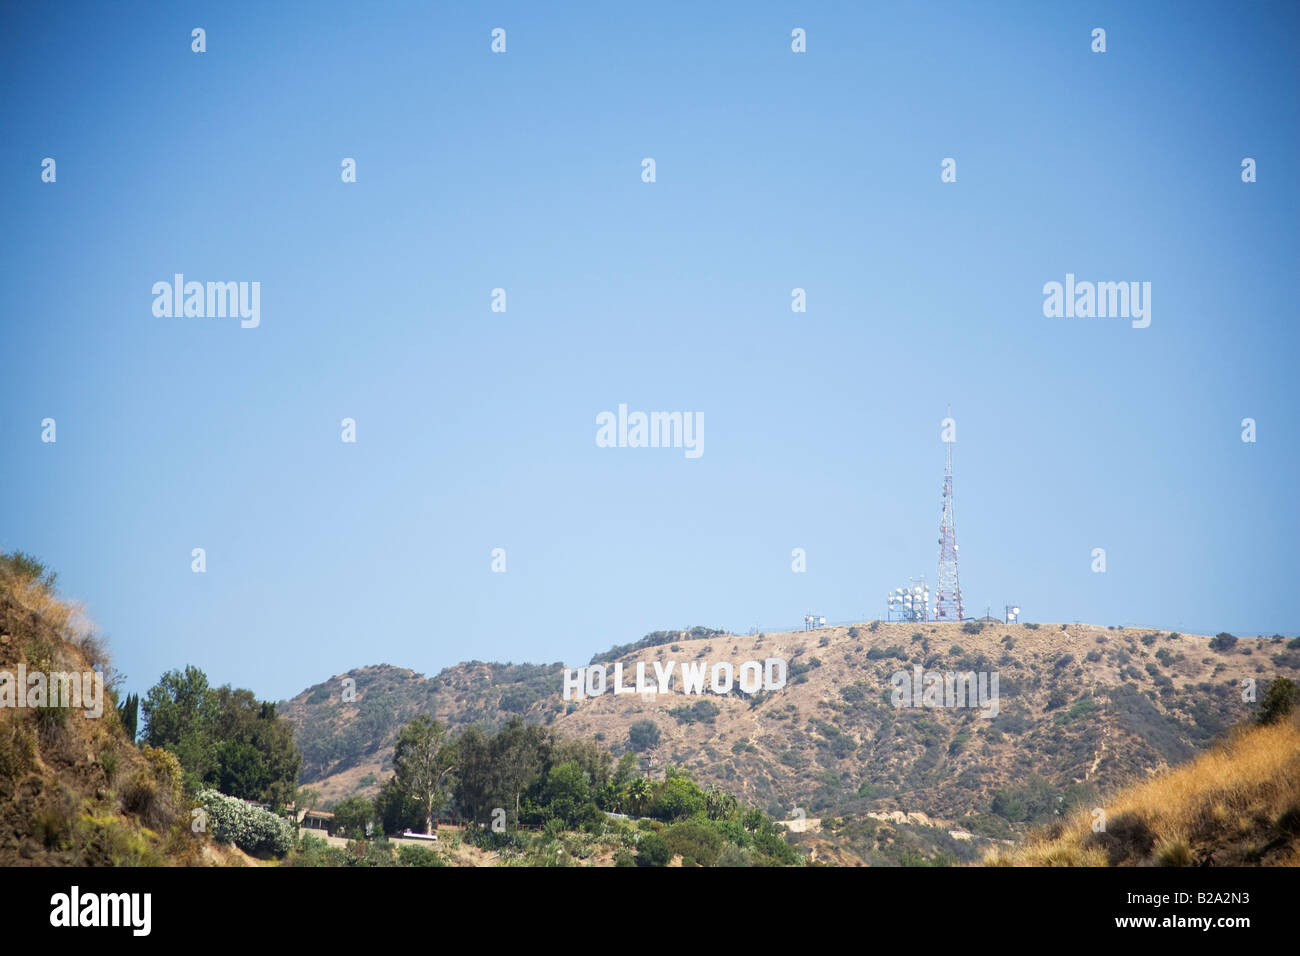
(703, 711)
(624, 858)
(1279, 700)
(643, 735)
(652, 850)
(253, 830)
(1223, 641)
(678, 797)
(734, 856)
(695, 839)
(418, 856)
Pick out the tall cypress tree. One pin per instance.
(129, 711)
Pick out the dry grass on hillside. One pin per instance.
(1237, 804)
(76, 791)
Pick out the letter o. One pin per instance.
(747, 685)
(714, 682)
(592, 689)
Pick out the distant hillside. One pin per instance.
(1084, 710)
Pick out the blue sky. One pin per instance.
(476, 429)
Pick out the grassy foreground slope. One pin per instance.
(76, 790)
(1237, 804)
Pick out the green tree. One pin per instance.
(129, 711)
(256, 757)
(679, 796)
(475, 783)
(351, 814)
(566, 795)
(520, 753)
(223, 738)
(396, 809)
(639, 792)
(179, 712)
(625, 771)
(421, 758)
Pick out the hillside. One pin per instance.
(74, 790)
(1083, 710)
(1237, 804)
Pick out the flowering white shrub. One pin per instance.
(250, 828)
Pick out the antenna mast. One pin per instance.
(947, 603)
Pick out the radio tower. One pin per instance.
(947, 604)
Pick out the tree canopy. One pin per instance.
(224, 738)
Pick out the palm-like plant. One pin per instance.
(718, 804)
(638, 794)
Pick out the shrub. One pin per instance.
(624, 858)
(694, 839)
(678, 797)
(17, 750)
(250, 828)
(734, 856)
(1279, 700)
(653, 851)
(1223, 641)
(418, 856)
(703, 711)
(643, 735)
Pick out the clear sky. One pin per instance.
(476, 429)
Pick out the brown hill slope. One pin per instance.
(1084, 708)
(73, 789)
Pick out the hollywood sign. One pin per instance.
(694, 677)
